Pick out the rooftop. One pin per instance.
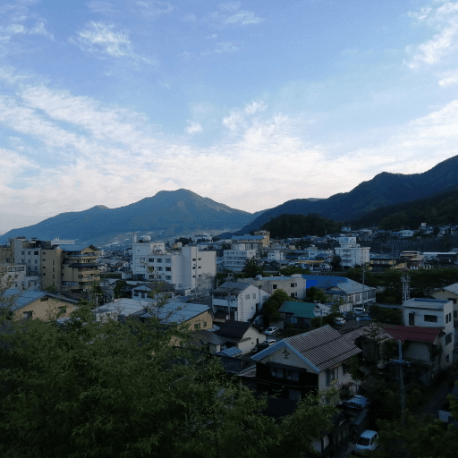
(419, 303)
(412, 333)
(298, 309)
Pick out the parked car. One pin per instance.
(358, 310)
(266, 343)
(340, 320)
(270, 331)
(367, 441)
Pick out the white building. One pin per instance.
(294, 286)
(433, 313)
(235, 258)
(351, 253)
(188, 269)
(238, 301)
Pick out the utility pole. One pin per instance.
(364, 276)
(401, 363)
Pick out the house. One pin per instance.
(153, 291)
(449, 293)
(240, 334)
(26, 304)
(436, 314)
(381, 263)
(193, 316)
(300, 313)
(345, 291)
(294, 285)
(315, 360)
(424, 344)
(238, 301)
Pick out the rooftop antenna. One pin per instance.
(405, 287)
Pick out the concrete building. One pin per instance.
(252, 242)
(13, 276)
(435, 314)
(294, 286)
(351, 253)
(449, 293)
(188, 269)
(235, 258)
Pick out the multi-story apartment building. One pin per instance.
(235, 258)
(187, 269)
(69, 267)
(252, 242)
(12, 276)
(351, 253)
(294, 286)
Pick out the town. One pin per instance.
(284, 318)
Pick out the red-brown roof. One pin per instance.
(412, 333)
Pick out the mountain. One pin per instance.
(384, 189)
(167, 213)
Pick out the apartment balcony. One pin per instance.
(82, 278)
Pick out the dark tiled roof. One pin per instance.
(234, 330)
(324, 347)
(412, 333)
(233, 287)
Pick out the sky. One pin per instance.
(251, 102)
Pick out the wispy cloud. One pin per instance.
(152, 8)
(238, 117)
(101, 7)
(101, 39)
(193, 128)
(230, 14)
(443, 18)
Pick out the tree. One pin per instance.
(335, 263)
(251, 268)
(106, 389)
(271, 305)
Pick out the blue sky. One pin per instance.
(250, 102)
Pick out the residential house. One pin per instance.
(25, 304)
(192, 316)
(238, 301)
(315, 360)
(240, 334)
(449, 293)
(300, 314)
(294, 285)
(344, 291)
(437, 314)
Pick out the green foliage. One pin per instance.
(104, 389)
(384, 315)
(271, 305)
(291, 270)
(421, 438)
(439, 209)
(251, 268)
(295, 226)
(318, 295)
(335, 263)
(119, 286)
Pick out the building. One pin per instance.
(437, 314)
(351, 253)
(235, 258)
(237, 301)
(36, 305)
(241, 335)
(188, 269)
(314, 361)
(300, 314)
(294, 285)
(12, 276)
(449, 293)
(253, 242)
(347, 293)
(380, 263)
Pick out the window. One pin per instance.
(168, 277)
(446, 318)
(412, 319)
(292, 375)
(293, 285)
(274, 286)
(205, 324)
(254, 295)
(159, 269)
(168, 269)
(276, 372)
(168, 261)
(28, 315)
(331, 375)
(450, 316)
(448, 338)
(35, 253)
(247, 296)
(150, 259)
(159, 260)
(196, 326)
(430, 318)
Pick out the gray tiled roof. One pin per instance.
(452, 288)
(22, 298)
(233, 287)
(324, 347)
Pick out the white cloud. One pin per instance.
(87, 153)
(100, 7)
(193, 128)
(444, 20)
(229, 14)
(99, 38)
(230, 6)
(152, 8)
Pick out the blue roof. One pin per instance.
(233, 351)
(22, 298)
(325, 282)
